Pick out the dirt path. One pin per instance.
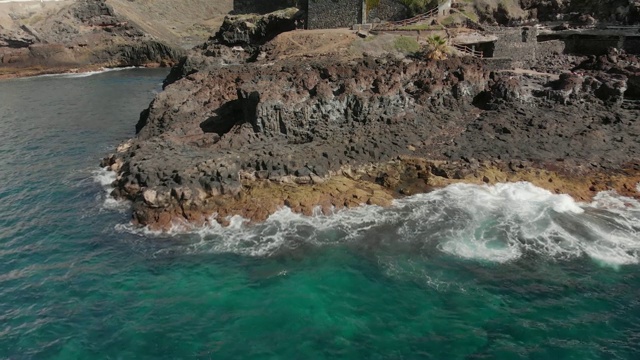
(531, 72)
(312, 42)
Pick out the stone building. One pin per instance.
(519, 44)
(326, 14)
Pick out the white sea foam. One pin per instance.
(407, 268)
(84, 73)
(105, 178)
(499, 223)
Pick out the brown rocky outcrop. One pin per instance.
(254, 29)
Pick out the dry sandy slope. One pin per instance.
(181, 22)
(27, 9)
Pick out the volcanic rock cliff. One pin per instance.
(243, 128)
(249, 139)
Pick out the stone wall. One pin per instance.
(517, 44)
(326, 14)
(591, 44)
(388, 10)
(551, 47)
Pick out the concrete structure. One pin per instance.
(444, 9)
(523, 45)
(593, 41)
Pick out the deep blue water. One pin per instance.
(504, 272)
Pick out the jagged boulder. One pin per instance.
(501, 89)
(254, 29)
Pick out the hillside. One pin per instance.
(185, 22)
(53, 36)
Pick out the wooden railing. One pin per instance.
(406, 22)
(468, 51)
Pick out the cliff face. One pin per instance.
(249, 139)
(294, 123)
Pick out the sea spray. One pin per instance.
(105, 178)
(83, 74)
(498, 223)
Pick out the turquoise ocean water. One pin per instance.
(503, 272)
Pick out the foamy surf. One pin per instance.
(499, 223)
(105, 178)
(82, 74)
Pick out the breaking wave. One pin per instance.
(105, 178)
(83, 74)
(498, 224)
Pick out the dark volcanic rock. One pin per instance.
(254, 29)
(247, 139)
(294, 121)
(579, 12)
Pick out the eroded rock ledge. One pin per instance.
(249, 139)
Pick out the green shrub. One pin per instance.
(407, 45)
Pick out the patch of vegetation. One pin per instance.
(370, 38)
(448, 20)
(417, 7)
(437, 48)
(406, 45)
(34, 19)
(372, 4)
(470, 14)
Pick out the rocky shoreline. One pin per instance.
(248, 139)
(40, 71)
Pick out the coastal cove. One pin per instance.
(504, 271)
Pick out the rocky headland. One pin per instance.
(246, 131)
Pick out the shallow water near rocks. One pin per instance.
(466, 272)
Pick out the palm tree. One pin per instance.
(437, 48)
